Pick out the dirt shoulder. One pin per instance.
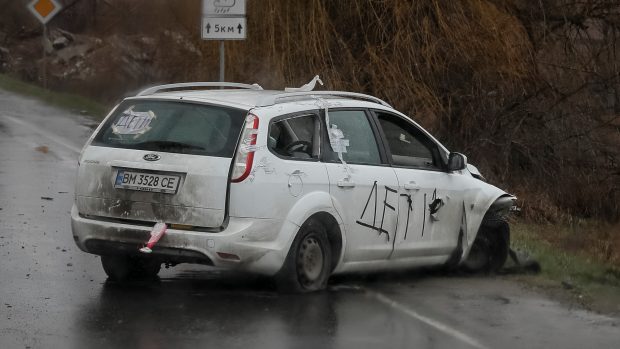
(579, 263)
(74, 103)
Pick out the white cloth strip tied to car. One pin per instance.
(307, 87)
(336, 137)
(156, 233)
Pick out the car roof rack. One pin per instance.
(281, 97)
(234, 85)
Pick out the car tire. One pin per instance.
(123, 267)
(490, 249)
(308, 263)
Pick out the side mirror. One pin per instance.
(457, 162)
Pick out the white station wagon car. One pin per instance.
(294, 184)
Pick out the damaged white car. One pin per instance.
(295, 184)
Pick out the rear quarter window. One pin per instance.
(175, 127)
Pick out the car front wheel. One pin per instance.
(490, 249)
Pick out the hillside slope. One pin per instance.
(529, 90)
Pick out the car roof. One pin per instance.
(247, 96)
(240, 98)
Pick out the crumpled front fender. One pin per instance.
(478, 202)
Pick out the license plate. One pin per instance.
(156, 183)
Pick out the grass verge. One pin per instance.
(573, 268)
(71, 102)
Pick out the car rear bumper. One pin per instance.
(260, 244)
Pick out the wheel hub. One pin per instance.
(310, 259)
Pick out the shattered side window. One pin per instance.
(175, 127)
(408, 146)
(358, 143)
(295, 137)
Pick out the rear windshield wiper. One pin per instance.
(167, 145)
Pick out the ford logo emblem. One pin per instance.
(151, 157)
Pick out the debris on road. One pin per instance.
(568, 285)
(522, 263)
(60, 42)
(43, 149)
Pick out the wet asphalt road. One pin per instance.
(52, 295)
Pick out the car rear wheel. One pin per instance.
(308, 264)
(490, 249)
(123, 267)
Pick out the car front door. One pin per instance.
(431, 210)
(362, 185)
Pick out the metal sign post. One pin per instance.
(44, 10)
(44, 56)
(223, 20)
(222, 61)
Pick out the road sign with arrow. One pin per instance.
(223, 20)
(223, 28)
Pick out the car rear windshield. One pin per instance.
(173, 127)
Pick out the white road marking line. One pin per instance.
(415, 315)
(44, 133)
(433, 323)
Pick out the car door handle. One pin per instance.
(346, 184)
(411, 186)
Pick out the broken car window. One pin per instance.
(358, 143)
(295, 137)
(409, 146)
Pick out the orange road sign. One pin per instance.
(44, 10)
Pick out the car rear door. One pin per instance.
(166, 161)
(285, 174)
(362, 186)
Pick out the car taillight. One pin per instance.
(245, 152)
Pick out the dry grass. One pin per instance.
(529, 90)
(580, 262)
(74, 103)
(594, 242)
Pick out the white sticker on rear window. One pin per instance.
(133, 122)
